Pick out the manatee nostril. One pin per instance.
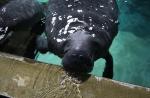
(78, 56)
(77, 63)
(81, 56)
(74, 55)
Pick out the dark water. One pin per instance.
(130, 49)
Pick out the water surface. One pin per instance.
(131, 47)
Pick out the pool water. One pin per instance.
(131, 47)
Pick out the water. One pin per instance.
(131, 47)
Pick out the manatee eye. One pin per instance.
(65, 46)
(66, 50)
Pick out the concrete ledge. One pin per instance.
(25, 78)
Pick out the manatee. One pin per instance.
(20, 14)
(81, 32)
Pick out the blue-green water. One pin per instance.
(42, 0)
(131, 47)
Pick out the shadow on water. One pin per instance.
(141, 7)
(135, 17)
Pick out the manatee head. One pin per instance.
(80, 52)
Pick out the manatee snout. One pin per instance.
(77, 61)
(79, 54)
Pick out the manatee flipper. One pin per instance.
(42, 44)
(36, 30)
(39, 27)
(108, 71)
